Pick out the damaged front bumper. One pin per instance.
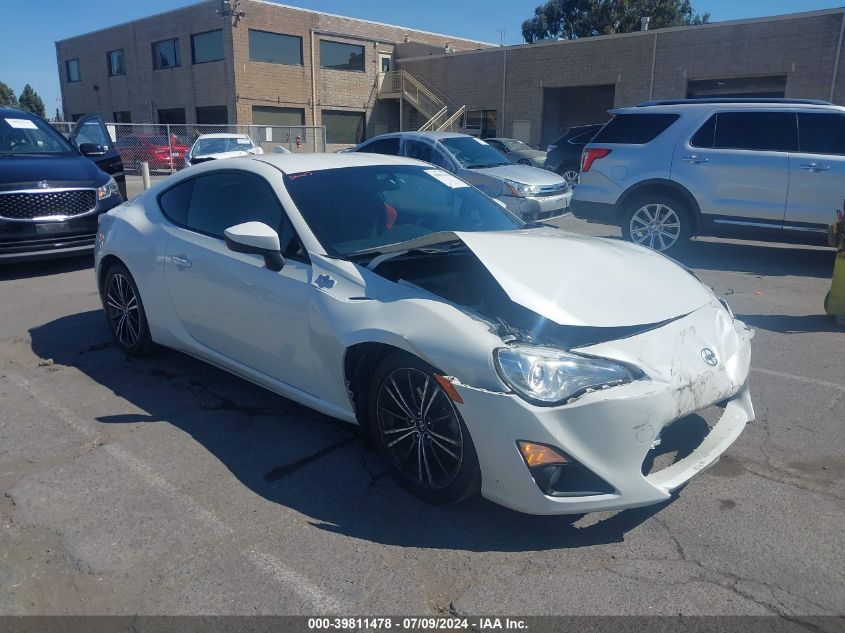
(610, 432)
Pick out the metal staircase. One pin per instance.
(442, 115)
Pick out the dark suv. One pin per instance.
(564, 155)
(52, 190)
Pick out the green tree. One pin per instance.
(30, 101)
(7, 96)
(570, 19)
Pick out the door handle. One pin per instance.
(814, 167)
(181, 261)
(695, 159)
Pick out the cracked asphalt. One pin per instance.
(165, 486)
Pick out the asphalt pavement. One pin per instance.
(166, 486)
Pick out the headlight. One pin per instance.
(108, 189)
(520, 189)
(547, 376)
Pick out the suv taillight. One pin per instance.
(591, 155)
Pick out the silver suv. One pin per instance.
(528, 192)
(764, 169)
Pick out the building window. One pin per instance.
(271, 115)
(343, 128)
(115, 62)
(166, 54)
(122, 116)
(173, 116)
(731, 87)
(212, 115)
(207, 47)
(484, 121)
(339, 56)
(275, 48)
(72, 68)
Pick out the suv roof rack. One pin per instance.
(732, 100)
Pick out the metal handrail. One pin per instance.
(432, 122)
(447, 125)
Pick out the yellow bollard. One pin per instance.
(834, 303)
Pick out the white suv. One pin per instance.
(765, 169)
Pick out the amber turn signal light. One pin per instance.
(449, 388)
(539, 454)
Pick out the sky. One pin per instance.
(28, 31)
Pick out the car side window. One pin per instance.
(418, 150)
(439, 159)
(174, 202)
(761, 131)
(821, 133)
(704, 136)
(292, 247)
(227, 198)
(382, 146)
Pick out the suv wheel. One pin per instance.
(570, 174)
(657, 221)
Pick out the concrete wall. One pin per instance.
(801, 46)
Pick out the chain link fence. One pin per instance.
(165, 147)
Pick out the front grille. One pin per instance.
(551, 190)
(30, 205)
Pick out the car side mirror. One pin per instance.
(255, 151)
(91, 149)
(257, 238)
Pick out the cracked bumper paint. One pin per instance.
(610, 432)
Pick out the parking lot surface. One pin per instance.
(166, 486)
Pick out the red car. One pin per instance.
(153, 148)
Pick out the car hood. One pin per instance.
(18, 171)
(578, 280)
(522, 173)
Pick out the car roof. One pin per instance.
(222, 135)
(8, 111)
(431, 135)
(705, 105)
(294, 163)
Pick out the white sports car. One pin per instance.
(216, 146)
(479, 353)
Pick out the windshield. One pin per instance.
(359, 208)
(512, 145)
(474, 153)
(21, 134)
(220, 145)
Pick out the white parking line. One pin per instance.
(812, 381)
(321, 600)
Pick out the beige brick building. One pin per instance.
(289, 66)
(274, 64)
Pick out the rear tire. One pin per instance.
(657, 221)
(125, 312)
(420, 432)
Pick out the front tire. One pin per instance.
(657, 221)
(125, 312)
(420, 432)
